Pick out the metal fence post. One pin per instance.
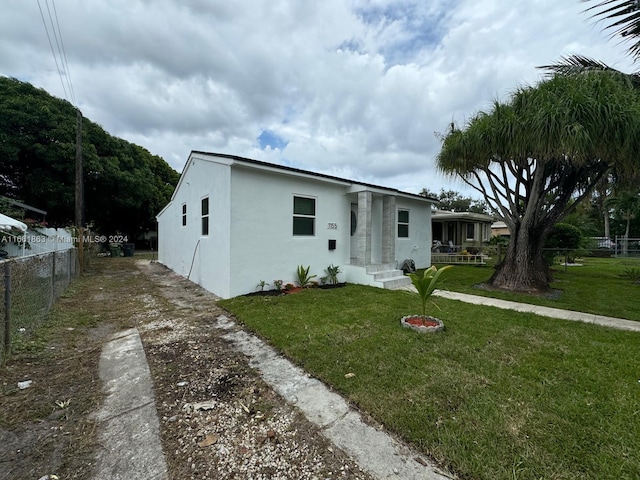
(53, 279)
(7, 308)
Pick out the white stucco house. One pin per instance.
(233, 222)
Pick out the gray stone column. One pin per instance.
(389, 229)
(363, 230)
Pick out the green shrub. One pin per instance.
(563, 239)
(632, 273)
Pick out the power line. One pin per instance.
(55, 58)
(57, 33)
(63, 54)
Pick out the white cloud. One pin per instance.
(356, 88)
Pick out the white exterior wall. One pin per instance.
(202, 259)
(264, 247)
(251, 226)
(418, 245)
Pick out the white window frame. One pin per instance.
(473, 229)
(304, 215)
(404, 224)
(205, 216)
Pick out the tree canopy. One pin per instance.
(453, 201)
(125, 185)
(539, 154)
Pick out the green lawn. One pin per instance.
(497, 395)
(598, 286)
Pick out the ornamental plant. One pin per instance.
(304, 279)
(332, 273)
(426, 283)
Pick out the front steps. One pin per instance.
(388, 275)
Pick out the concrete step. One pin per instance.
(380, 267)
(395, 283)
(379, 276)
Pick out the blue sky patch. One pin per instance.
(422, 28)
(269, 139)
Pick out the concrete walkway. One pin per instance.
(539, 310)
(129, 430)
(376, 452)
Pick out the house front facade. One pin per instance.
(233, 222)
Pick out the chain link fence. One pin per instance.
(29, 287)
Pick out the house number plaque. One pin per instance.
(332, 226)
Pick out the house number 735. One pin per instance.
(332, 226)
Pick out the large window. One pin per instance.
(204, 210)
(304, 216)
(403, 223)
(184, 214)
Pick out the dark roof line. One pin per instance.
(307, 172)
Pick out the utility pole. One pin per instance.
(79, 190)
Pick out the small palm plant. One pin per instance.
(304, 279)
(332, 273)
(426, 283)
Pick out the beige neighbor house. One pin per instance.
(500, 229)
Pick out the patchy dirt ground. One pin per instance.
(218, 418)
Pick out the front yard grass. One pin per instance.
(497, 395)
(598, 286)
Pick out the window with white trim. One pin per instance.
(403, 223)
(184, 214)
(471, 230)
(204, 211)
(304, 216)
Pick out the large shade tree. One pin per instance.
(536, 156)
(125, 185)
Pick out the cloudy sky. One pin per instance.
(353, 88)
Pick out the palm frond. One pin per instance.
(624, 19)
(578, 64)
(575, 64)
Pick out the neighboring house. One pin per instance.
(460, 229)
(500, 229)
(233, 222)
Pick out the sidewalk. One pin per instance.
(602, 320)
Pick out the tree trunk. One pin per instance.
(607, 228)
(524, 268)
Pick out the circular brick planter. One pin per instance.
(422, 324)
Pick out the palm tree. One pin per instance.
(623, 17)
(539, 155)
